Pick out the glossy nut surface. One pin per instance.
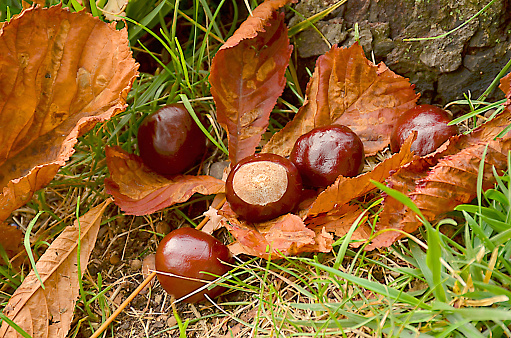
(430, 122)
(324, 153)
(188, 252)
(169, 140)
(263, 186)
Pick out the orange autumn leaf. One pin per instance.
(137, 190)
(256, 23)
(247, 77)
(48, 312)
(348, 89)
(60, 74)
(340, 222)
(286, 235)
(10, 239)
(393, 210)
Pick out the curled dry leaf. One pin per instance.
(60, 74)
(340, 222)
(286, 235)
(115, 9)
(348, 89)
(256, 23)
(148, 266)
(48, 312)
(137, 190)
(247, 77)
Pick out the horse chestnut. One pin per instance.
(324, 153)
(169, 140)
(263, 186)
(188, 252)
(430, 122)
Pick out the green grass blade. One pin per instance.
(189, 107)
(26, 243)
(454, 29)
(94, 8)
(14, 326)
(433, 256)
(401, 198)
(396, 295)
(482, 313)
(309, 22)
(347, 239)
(76, 6)
(137, 29)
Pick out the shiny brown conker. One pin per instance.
(324, 153)
(169, 140)
(430, 122)
(189, 253)
(263, 186)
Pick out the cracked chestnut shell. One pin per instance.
(169, 140)
(430, 122)
(189, 252)
(263, 186)
(324, 153)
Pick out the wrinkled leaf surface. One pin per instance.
(286, 235)
(60, 74)
(345, 189)
(47, 313)
(137, 190)
(247, 77)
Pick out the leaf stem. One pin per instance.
(110, 319)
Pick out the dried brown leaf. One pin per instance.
(47, 313)
(60, 74)
(114, 9)
(247, 77)
(148, 265)
(256, 23)
(137, 190)
(10, 239)
(286, 235)
(348, 89)
(404, 181)
(340, 222)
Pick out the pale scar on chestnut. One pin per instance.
(260, 182)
